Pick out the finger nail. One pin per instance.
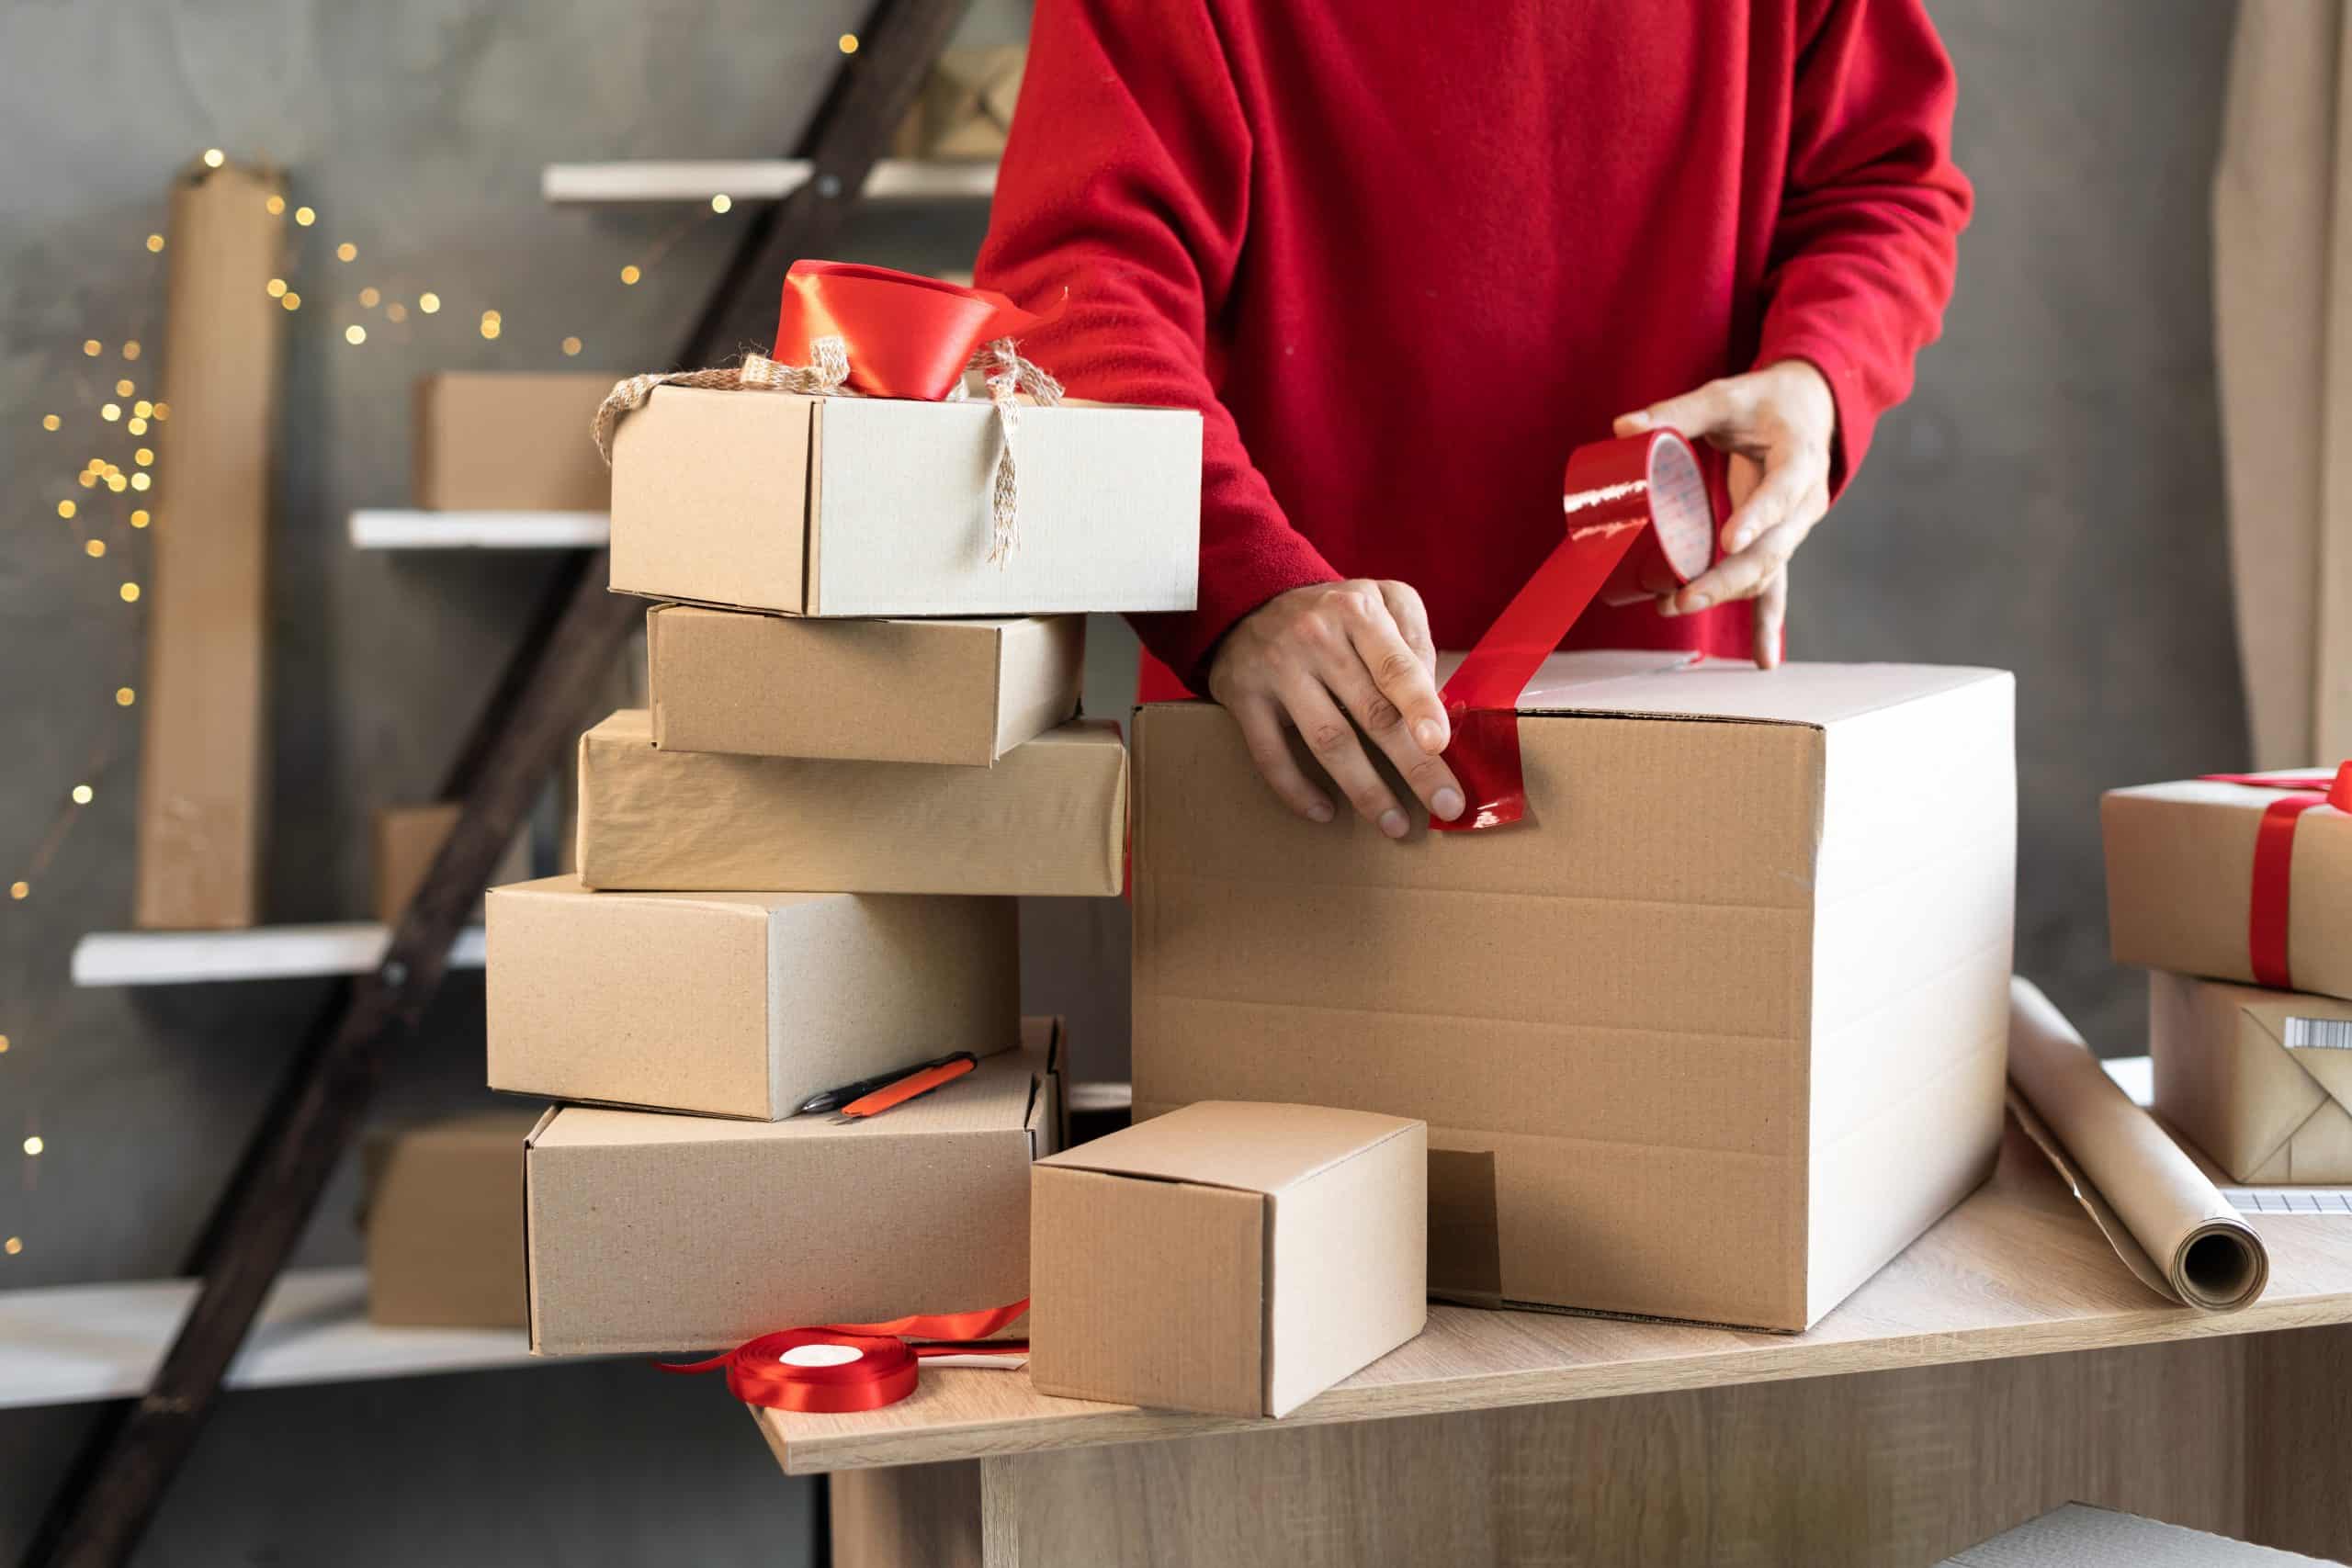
(1391, 822)
(1320, 811)
(1744, 538)
(1431, 734)
(1447, 804)
(1697, 602)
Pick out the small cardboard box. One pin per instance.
(737, 1004)
(1050, 817)
(2260, 1081)
(408, 839)
(879, 506)
(763, 685)
(2180, 883)
(508, 441)
(1228, 1257)
(650, 1233)
(443, 1215)
(1714, 1036)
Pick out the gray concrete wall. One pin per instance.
(2049, 501)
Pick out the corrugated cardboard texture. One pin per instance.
(408, 838)
(444, 1220)
(1713, 1037)
(1235, 1258)
(509, 441)
(202, 781)
(737, 1004)
(2225, 1076)
(2079, 1535)
(1049, 817)
(877, 506)
(2180, 882)
(651, 1233)
(859, 691)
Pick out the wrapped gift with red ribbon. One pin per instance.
(900, 440)
(2235, 877)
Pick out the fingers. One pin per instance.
(1401, 673)
(1741, 576)
(1261, 728)
(1331, 739)
(1428, 778)
(1771, 617)
(1702, 411)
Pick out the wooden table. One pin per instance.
(2005, 1363)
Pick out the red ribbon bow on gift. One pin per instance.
(2274, 860)
(845, 1367)
(906, 337)
(1641, 523)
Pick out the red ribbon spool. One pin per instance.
(847, 1367)
(2274, 860)
(1641, 523)
(908, 336)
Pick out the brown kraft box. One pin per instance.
(1232, 1259)
(1048, 819)
(510, 441)
(652, 1233)
(443, 1215)
(879, 506)
(2260, 1081)
(737, 1004)
(767, 686)
(1713, 1036)
(2180, 883)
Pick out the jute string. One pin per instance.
(1007, 375)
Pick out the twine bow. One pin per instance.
(1005, 372)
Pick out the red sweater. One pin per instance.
(1404, 256)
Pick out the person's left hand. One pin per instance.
(1778, 423)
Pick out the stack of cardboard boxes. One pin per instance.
(798, 867)
(2236, 894)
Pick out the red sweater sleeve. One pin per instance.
(1126, 181)
(1871, 215)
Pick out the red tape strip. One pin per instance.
(1640, 524)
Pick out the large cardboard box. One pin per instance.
(408, 839)
(879, 506)
(859, 691)
(737, 1004)
(2260, 1081)
(443, 1215)
(510, 441)
(679, 1233)
(1227, 1258)
(1714, 1036)
(2180, 883)
(1050, 817)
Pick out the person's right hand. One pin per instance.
(1302, 657)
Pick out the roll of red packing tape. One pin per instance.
(1641, 522)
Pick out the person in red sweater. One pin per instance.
(1404, 257)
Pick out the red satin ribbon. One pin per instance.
(2274, 860)
(882, 1371)
(1640, 523)
(908, 336)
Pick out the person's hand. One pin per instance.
(1300, 659)
(1778, 423)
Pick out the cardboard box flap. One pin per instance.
(755, 906)
(995, 1096)
(1814, 695)
(1245, 1145)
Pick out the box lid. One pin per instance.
(1245, 1145)
(999, 1095)
(566, 885)
(1683, 685)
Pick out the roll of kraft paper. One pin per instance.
(2169, 1224)
(1641, 523)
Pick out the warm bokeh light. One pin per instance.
(50, 421)
(305, 217)
(347, 252)
(570, 347)
(428, 302)
(129, 593)
(94, 548)
(214, 157)
(83, 794)
(355, 333)
(124, 696)
(721, 202)
(630, 273)
(154, 242)
(849, 43)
